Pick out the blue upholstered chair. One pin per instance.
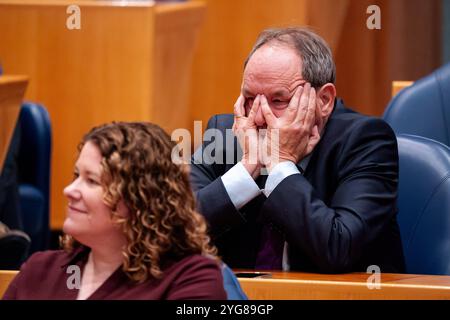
(423, 109)
(34, 173)
(424, 204)
(231, 284)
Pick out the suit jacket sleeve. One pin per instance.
(212, 198)
(334, 234)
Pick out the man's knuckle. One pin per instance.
(295, 126)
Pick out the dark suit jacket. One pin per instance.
(340, 216)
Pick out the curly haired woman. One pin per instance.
(131, 230)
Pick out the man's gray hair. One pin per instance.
(318, 64)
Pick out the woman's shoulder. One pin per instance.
(41, 274)
(196, 277)
(195, 267)
(197, 261)
(53, 256)
(41, 256)
(49, 259)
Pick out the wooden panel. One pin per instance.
(327, 19)
(415, 44)
(5, 278)
(12, 90)
(108, 70)
(299, 286)
(397, 86)
(359, 277)
(358, 60)
(406, 47)
(176, 33)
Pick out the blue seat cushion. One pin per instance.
(424, 204)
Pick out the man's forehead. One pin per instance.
(270, 90)
(274, 55)
(275, 85)
(274, 70)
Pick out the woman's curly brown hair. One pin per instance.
(163, 223)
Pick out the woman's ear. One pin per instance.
(325, 100)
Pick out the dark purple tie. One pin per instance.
(270, 255)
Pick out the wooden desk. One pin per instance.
(12, 90)
(309, 286)
(397, 86)
(352, 286)
(6, 277)
(129, 61)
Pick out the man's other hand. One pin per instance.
(245, 129)
(292, 136)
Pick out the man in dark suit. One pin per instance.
(307, 184)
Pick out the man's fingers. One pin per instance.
(254, 109)
(303, 105)
(311, 111)
(293, 104)
(239, 110)
(267, 112)
(292, 108)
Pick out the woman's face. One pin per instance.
(88, 217)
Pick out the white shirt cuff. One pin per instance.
(280, 172)
(240, 186)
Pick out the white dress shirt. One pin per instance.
(241, 187)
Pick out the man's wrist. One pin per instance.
(279, 172)
(252, 168)
(273, 164)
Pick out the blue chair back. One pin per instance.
(231, 284)
(423, 109)
(34, 173)
(424, 204)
